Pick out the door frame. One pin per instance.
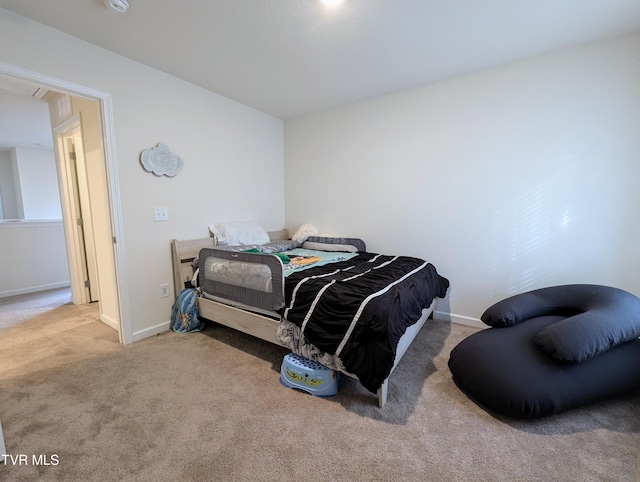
(76, 211)
(115, 207)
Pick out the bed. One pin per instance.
(351, 310)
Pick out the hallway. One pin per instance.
(15, 309)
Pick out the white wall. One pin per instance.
(33, 257)
(36, 172)
(507, 180)
(233, 154)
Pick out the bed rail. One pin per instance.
(183, 252)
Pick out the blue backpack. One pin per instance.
(184, 314)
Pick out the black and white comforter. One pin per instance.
(357, 310)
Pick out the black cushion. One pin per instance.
(520, 367)
(504, 371)
(597, 318)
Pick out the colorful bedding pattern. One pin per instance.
(301, 259)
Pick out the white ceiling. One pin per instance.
(293, 57)
(24, 118)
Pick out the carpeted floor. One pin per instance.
(209, 406)
(15, 309)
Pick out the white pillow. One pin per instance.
(304, 232)
(236, 233)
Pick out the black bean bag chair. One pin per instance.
(552, 349)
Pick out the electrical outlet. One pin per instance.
(164, 290)
(161, 214)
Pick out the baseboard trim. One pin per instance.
(34, 289)
(458, 319)
(110, 322)
(438, 315)
(151, 331)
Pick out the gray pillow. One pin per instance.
(612, 317)
(597, 318)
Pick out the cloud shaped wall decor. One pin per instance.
(161, 161)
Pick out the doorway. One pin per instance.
(76, 206)
(103, 197)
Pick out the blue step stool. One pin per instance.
(308, 375)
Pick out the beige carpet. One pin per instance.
(14, 309)
(209, 406)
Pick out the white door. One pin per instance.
(77, 211)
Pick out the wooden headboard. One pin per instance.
(183, 252)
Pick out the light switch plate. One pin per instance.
(160, 214)
(164, 290)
